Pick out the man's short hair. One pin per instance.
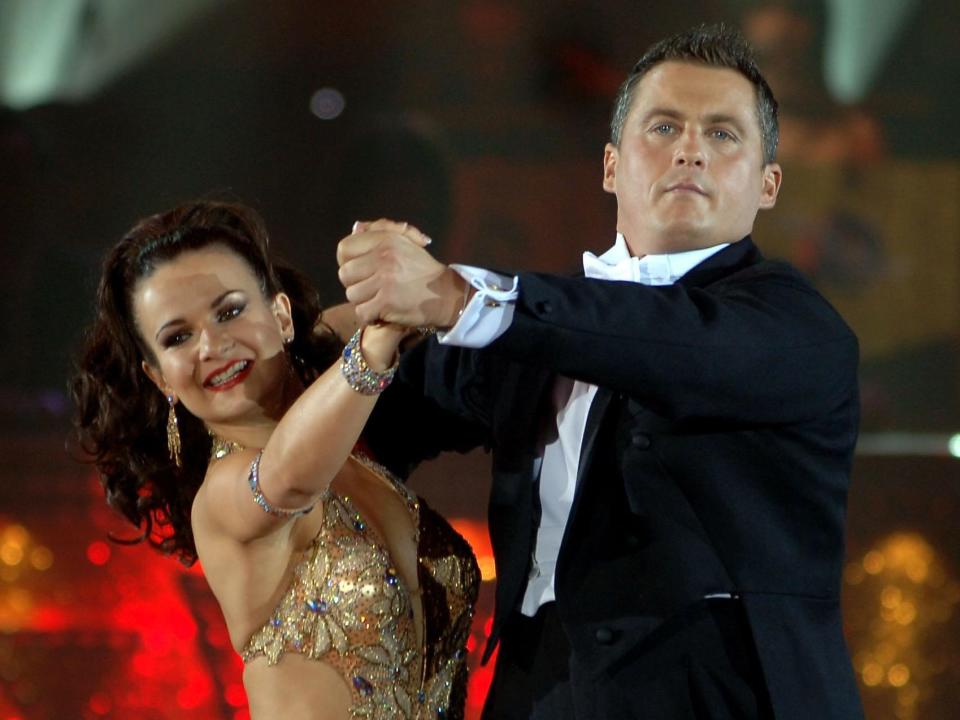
(715, 46)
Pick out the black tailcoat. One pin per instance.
(716, 459)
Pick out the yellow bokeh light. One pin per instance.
(11, 553)
(885, 653)
(904, 550)
(891, 596)
(41, 558)
(872, 674)
(917, 571)
(15, 535)
(906, 613)
(898, 675)
(873, 562)
(19, 600)
(906, 596)
(908, 695)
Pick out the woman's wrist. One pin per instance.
(357, 370)
(380, 343)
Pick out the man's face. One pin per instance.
(689, 170)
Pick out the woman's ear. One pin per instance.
(155, 376)
(283, 312)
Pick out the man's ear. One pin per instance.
(610, 157)
(772, 175)
(283, 312)
(155, 376)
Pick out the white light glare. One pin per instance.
(327, 103)
(954, 445)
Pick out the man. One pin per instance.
(671, 434)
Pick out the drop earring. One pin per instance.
(173, 433)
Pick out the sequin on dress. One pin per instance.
(347, 605)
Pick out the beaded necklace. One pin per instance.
(220, 448)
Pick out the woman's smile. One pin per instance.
(212, 332)
(228, 376)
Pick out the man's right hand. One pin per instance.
(390, 277)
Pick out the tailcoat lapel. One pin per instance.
(732, 258)
(598, 410)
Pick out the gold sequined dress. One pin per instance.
(347, 606)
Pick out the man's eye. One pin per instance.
(721, 134)
(663, 129)
(228, 313)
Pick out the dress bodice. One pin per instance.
(347, 606)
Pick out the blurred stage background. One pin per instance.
(483, 122)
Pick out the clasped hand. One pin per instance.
(390, 277)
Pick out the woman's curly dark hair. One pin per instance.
(120, 416)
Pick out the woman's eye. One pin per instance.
(228, 313)
(174, 339)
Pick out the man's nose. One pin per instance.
(689, 150)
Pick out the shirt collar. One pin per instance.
(617, 264)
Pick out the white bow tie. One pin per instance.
(617, 264)
(626, 269)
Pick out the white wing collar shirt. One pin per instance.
(488, 315)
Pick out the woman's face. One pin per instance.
(218, 343)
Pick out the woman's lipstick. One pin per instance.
(228, 376)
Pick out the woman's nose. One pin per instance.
(214, 343)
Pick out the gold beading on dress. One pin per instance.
(347, 605)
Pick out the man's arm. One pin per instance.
(435, 404)
(758, 348)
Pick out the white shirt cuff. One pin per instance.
(489, 312)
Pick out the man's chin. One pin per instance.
(683, 236)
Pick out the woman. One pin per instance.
(207, 399)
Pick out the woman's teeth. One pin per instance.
(230, 372)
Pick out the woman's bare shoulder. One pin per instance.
(225, 507)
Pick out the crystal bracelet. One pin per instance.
(258, 497)
(360, 376)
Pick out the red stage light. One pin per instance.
(235, 695)
(98, 552)
(478, 684)
(217, 636)
(100, 703)
(49, 620)
(147, 665)
(195, 694)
